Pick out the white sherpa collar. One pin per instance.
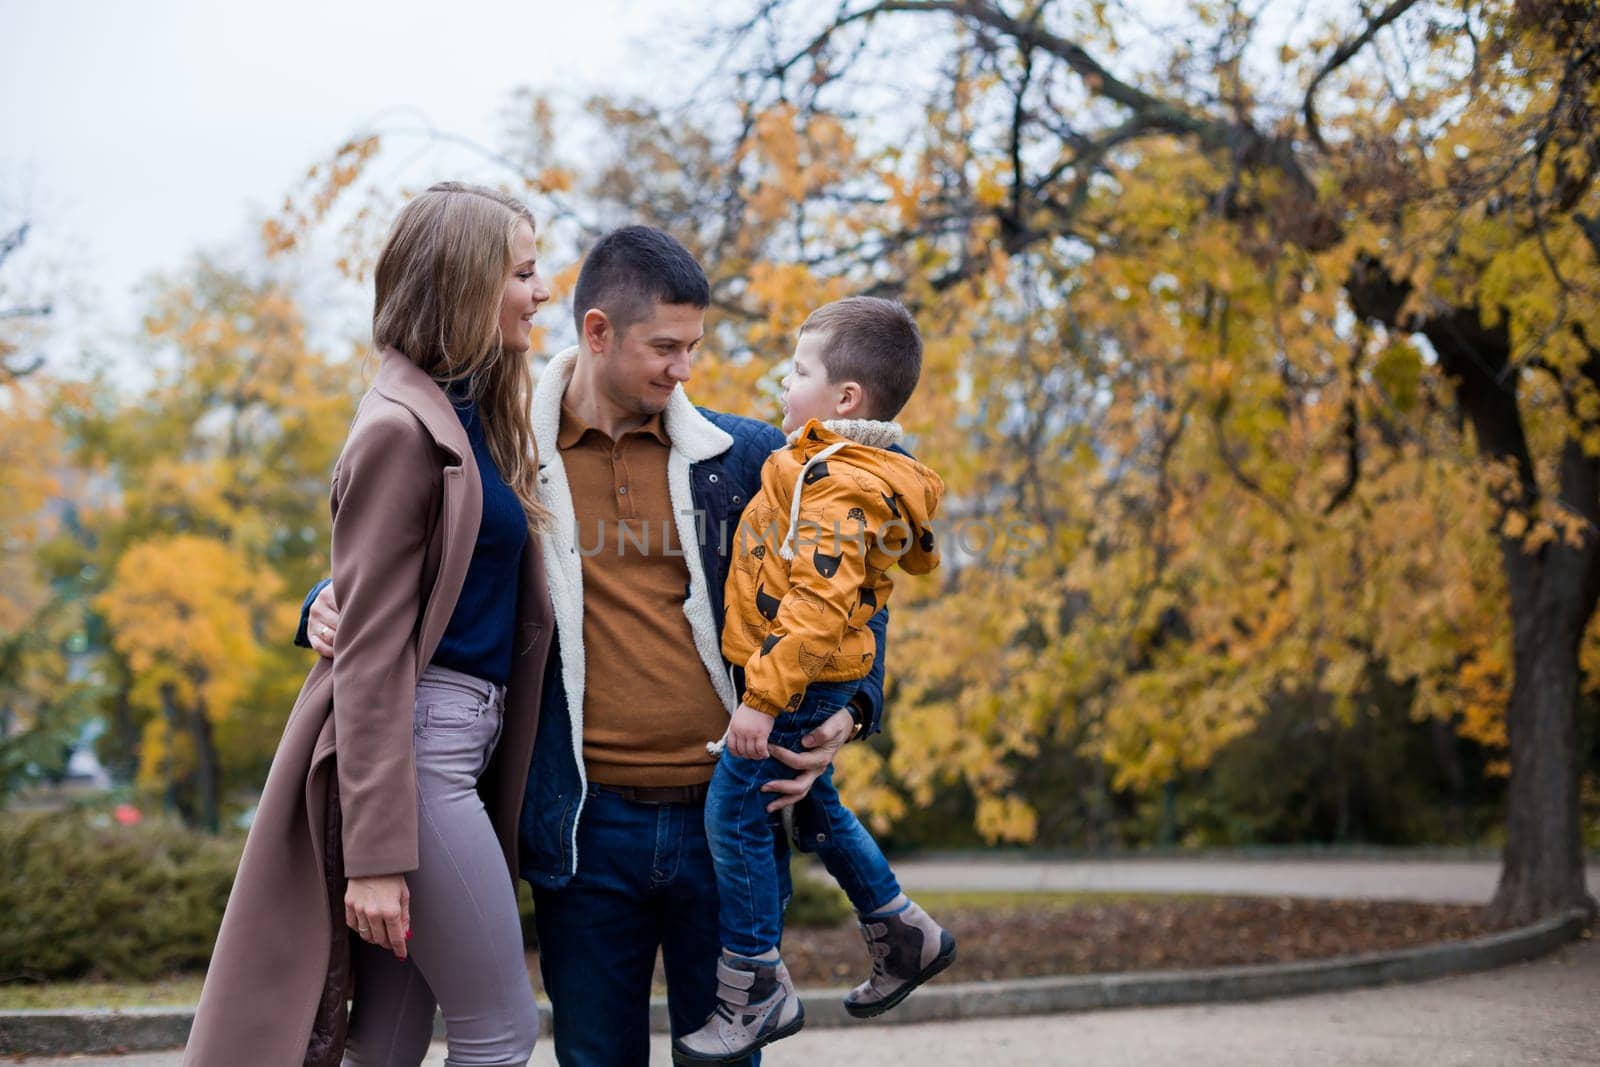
(693, 438)
(872, 432)
(690, 432)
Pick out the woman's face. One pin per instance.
(525, 291)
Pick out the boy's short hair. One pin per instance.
(872, 341)
(633, 268)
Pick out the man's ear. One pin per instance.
(597, 331)
(849, 399)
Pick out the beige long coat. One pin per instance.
(341, 798)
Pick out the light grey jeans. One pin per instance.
(465, 952)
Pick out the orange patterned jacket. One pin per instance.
(811, 559)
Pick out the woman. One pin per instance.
(383, 852)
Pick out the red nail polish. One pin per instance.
(408, 934)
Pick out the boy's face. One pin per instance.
(807, 393)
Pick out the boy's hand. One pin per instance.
(747, 733)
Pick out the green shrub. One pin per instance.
(87, 898)
(817, 901)
(530, 936)
(79, 899)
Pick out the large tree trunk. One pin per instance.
(1552, 600)
(206, 770)
(1542, 869)
(1553, 591)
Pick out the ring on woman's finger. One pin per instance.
(322, 631)
(363, 929)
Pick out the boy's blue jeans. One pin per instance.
(751, 891)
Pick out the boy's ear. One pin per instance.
(849, 400)
(597, 330)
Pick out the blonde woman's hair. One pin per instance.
(440, 282)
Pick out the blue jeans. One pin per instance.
(644, 882)
(751, 884)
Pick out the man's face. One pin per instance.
(641, 367)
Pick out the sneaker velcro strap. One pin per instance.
(734, 983)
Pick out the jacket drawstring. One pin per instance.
(787, 551)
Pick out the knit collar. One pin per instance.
(871, 432)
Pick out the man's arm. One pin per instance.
(867, 704)
(820, 746)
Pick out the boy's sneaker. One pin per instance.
(908, 948)
(756, 1005)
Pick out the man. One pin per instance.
(646, 491)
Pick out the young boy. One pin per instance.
(838, 508)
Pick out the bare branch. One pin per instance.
(1591, 229)
(38, 311)
(1247, 147)
(1342, 55)
(1101, 81)
(1231, 462)
(12, 241)
(13, 371)
(1352, 437)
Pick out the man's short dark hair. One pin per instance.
(872, 341)
(633, 268)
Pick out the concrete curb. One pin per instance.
(149, 1029)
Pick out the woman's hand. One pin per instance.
(322, 622)
(378, 909)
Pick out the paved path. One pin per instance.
(1546, 1012)
(1543, 1012)
(1442, 881)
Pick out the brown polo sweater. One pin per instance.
(648, 707)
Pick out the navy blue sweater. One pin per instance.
(478, 639)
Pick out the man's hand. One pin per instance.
(820, 746)
(322, 622)
(378, 909)
(747, 733)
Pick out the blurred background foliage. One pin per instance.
(1260, 364)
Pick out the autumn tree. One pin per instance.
(43, 705)
(1280, 316)
(221, 470)
(1210, 463)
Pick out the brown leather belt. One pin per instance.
(658, 794)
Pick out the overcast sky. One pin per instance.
(134, 133)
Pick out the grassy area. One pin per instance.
(1037, 917)
(1016, 899)
(182, 991)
